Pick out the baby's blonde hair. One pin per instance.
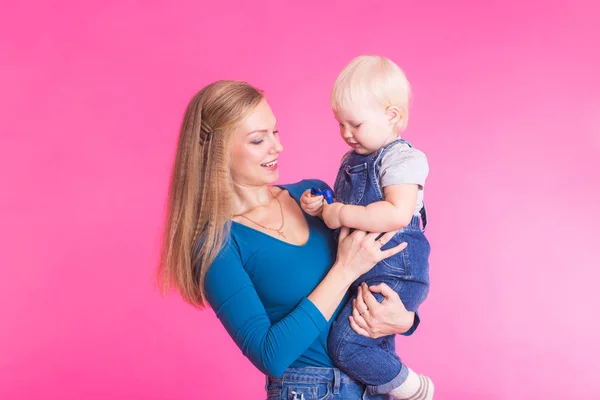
(370, 80)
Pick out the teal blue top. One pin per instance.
(258, 287)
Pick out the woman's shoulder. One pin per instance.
(296, 189)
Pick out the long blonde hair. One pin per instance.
(199, 211)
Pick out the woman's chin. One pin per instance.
(270, 177)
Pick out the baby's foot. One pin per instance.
(415, 387)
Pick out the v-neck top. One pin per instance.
(258, 287)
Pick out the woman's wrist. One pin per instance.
(407, 322)
(342, 273)
(331, 291)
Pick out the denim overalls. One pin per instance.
(374, 361)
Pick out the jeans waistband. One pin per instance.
(332, 376)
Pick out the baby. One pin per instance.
(379, 188)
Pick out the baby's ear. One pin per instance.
(397, 116)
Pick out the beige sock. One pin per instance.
(415, 387)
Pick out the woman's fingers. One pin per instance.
(354, 325)
(367, 298)
(394, 250)
(344, 232)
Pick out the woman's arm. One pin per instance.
(274, 347)
(357, 253)
(270, 347)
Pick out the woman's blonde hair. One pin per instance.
(199, 212)
(370, 80)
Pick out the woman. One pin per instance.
(272, 274)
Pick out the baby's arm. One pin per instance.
(402, 174)
(391, 214)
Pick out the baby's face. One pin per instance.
(365, 128)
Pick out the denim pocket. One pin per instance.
(399, 264)
(351, 184)
(299, 391)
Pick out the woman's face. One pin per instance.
(255, 148)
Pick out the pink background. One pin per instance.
(506, 105)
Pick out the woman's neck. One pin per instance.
(247, 198)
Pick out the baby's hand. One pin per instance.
(312, 205)
(331, 215)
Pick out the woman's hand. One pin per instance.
(360, 251)
(373, 319)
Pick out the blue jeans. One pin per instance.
(312, 383)
(374, 361)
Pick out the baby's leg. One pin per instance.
(374, 361)
(371, 361)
